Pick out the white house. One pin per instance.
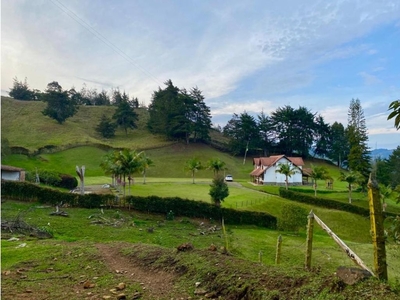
(12, 173)
(265, 170)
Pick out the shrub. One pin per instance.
(50, 178)
(327, 203)
(68, 181)
(293, 218)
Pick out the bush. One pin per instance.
(50, 178)
(68, 181)
(327, 203)
(293, 218)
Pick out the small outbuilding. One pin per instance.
(12, 173)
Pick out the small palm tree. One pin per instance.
(129, 160)
(145, 163)
(351, 178)
(288, 170)
(318, 173)
(193, 165)
(216, 165)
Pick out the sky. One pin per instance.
(245, 56)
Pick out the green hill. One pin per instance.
(24, 125)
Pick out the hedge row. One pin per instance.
(26, 191)
(198, 209)
(311, 191)
(327, 203)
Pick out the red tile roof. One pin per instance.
(10, 168)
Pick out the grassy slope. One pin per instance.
(24, 125)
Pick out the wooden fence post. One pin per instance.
(377, 229)
(278, 250)
(310, 228)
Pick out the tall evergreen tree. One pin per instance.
(200, 116)
(106, 127)
(338, 148)
(359, 155)
(294, 129)
(21, 91)
(125, 116)
(59, 106)
(178, 114)
(267, 133)
(243, 133)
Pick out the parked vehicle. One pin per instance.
(228, 178)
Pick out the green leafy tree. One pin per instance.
(193, 165)
(106, 127)
(338, 147)
(393, 163)
(21, 91)
(318, 173)
(351, 178)
(243, 133)
(59, 106)
(294, 130)
(385, 193)
(395, 114)
(383, 171)
(199, 115)
(266, 133)
(359, 155)
(218, 190)
(178, 114)
(322, 136)
(288, 170)
(216, 165)
(125, 116)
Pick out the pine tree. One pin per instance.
(106, 127)
(359, 155)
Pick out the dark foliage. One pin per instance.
(106, 127)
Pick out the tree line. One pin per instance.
(179, 114)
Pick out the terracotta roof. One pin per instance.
(257, 172)
(270, 160)
(10, 168)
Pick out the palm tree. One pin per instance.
(216, 165)
(193, 165)
(318, 173)
(288, 170)
(145, 163)
(130, 163)
(109, 166)
(351, 178)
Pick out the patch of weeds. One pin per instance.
(158, 240)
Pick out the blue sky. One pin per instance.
(248, 56)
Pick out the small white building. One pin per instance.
(12, 173)
(265, 170)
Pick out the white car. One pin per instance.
(228, 178)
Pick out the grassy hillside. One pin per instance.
(23, 124)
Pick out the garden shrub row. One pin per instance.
(311, 191)
(199, 209)
(54, 179)
(25, 191)
(324, 202)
